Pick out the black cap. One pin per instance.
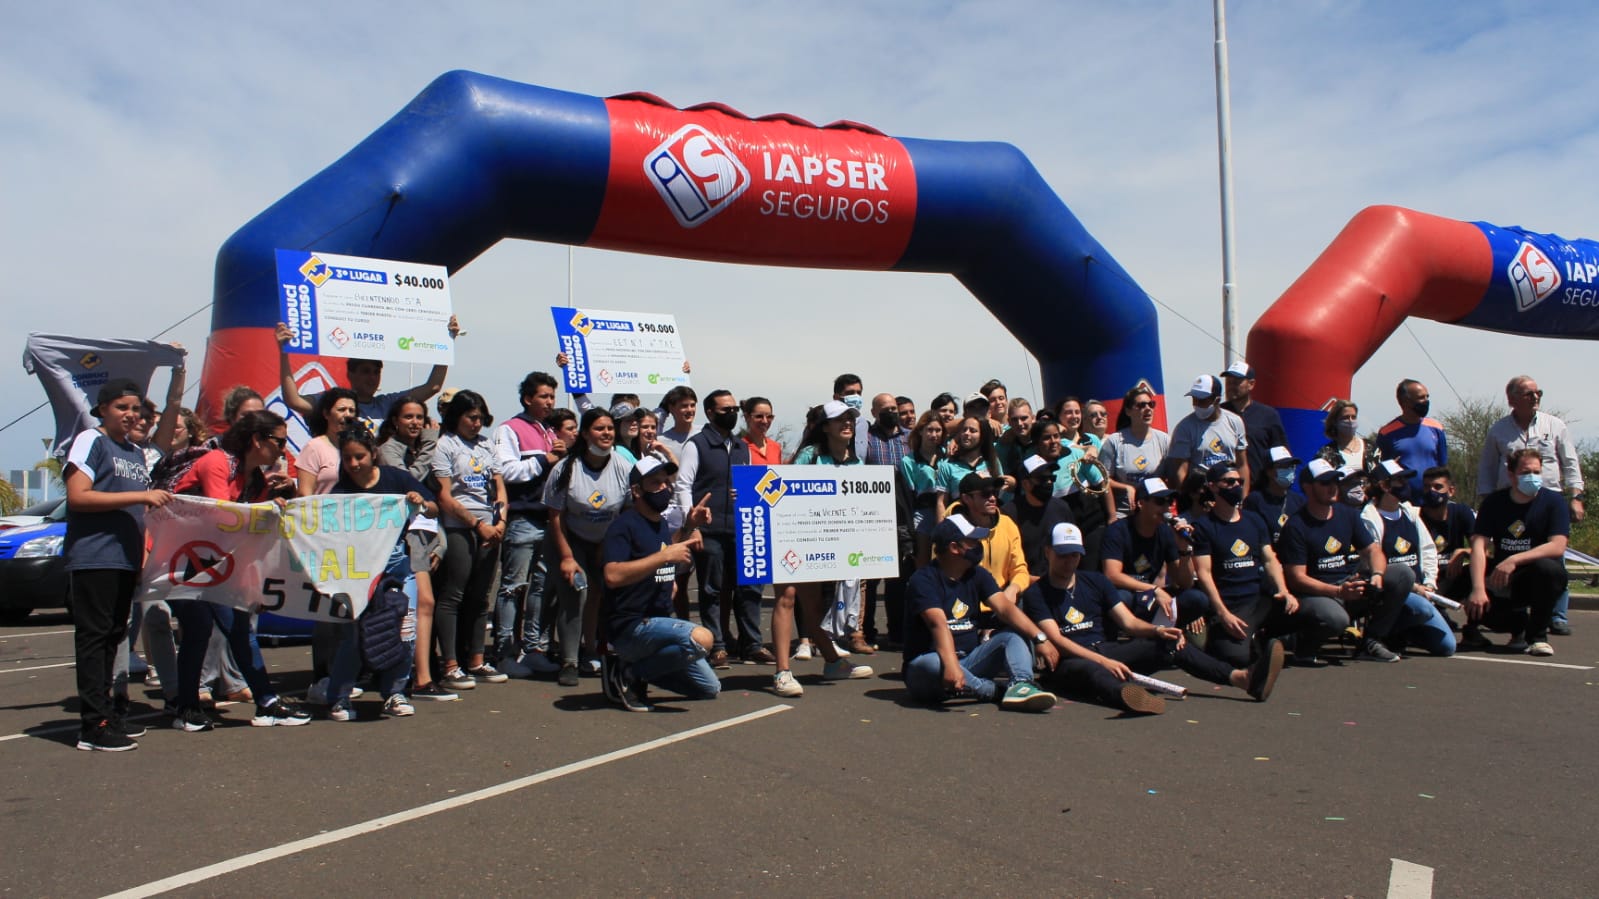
(975, 482)
(113, 390)
(1219, 471)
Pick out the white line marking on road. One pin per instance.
(1409, 881)
(37, 667)
(63, 728)
(1476, 658)
(189, 878)
(5, 637)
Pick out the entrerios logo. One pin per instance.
(696, 175)
(1532, 276)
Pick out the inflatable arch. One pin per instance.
(475, 159)
(1391, 263)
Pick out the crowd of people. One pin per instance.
(1041, 550)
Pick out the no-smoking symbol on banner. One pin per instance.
(200, 564)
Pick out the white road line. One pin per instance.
(1409, 881)
(5, 637)
(189, 878)
(37, 667)
(1477, 658)
(44, 732)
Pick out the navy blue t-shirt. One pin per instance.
(1034, 524)
(1274, 512)
(1079, 612)
(112, 539)
(1517, 527)
(630, 537)
(1454, 532)
(1237, 551)
(391, 481)
(1141, 556)
(1400, 542)
(961, 601)
(1329, 550)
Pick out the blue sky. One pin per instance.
(136, 138)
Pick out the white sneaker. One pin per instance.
(356, 692)
(784, 684)
(341, 711)
(398, 706)
(1540, 649)
(843, 669)
(842, 652)
(803, 653)
(317, 694)
(514, 668)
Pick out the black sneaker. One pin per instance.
(568, 676)
(1471, 637)
(635, 694)
(1263, 674)
(1372, 648)
(1516, 646)
(611, 678)
(192, 721)
(102, 738)
(119, 720)
(432, 692)
(1560, 628)
(281, 713)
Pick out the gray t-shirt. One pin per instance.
(113, 539)
(592, 500)
(1206, 443)
(469, 469)
(1130, 460)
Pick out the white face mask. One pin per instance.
(1207, 412)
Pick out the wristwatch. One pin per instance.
(1040, 638)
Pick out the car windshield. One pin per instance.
(54, 509)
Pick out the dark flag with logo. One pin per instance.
(72, 369)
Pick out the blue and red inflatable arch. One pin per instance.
(475, 159)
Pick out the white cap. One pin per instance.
(1033, 463)
(837, 409)
(956, 527)
(1281, 455)
(1321, 468)
(1240, 369)
(1066, 538)
(1204, 387)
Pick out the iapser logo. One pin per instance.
(696, 175)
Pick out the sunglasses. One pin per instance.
(1230, 482)
(1535, 394)
(1146, 404)
(280, 441)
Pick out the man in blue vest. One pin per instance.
(705, 474)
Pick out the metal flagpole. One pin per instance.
(1224, 142)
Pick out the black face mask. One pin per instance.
(660, 500)
(1040, 490)
(1433, 499)
(1232, 496)
(888, 420)
(1422, 408)
(974, 554)
(725, 420)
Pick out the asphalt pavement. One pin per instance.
(1476, 774)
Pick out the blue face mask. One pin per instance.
(854, 401)
(1529, 483)
(1285, 477)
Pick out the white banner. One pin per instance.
(353, 307)
(619, 352)
(802, 523)
(318, 558)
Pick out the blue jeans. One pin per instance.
(1005, 654)
(1421, 625)
(196, 618)
(661, 651)
(522, 572)
(1562, 605)
(347, 662)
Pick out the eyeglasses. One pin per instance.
(1535, 394)
(1230, 482)
(1146, 404)
(1099, 414)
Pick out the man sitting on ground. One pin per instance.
(945, 654)
(1071, 607)
(1150, 561)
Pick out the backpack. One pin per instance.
(379, 627)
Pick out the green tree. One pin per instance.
(10, 498)
(1466, 426)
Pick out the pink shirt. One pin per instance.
(320, 458)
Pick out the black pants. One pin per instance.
(1318, 619)
(102, 599)
(1534, 589)
(717, 563)
(461, 610)
(1145, 656)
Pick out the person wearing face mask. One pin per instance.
(1405, 541)
(1324, 548)
(945, 654)
(641, 553)
(705, 477)
(847, 389)
(1036, 510)
(1418, 442)
(1002, 543)
(1450, 524)
(1262, 423)
(887, 444)
(1150, 561)
(1517, 559)
(1274, 501)
(1345, 448)
(1208, 436)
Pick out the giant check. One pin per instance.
(799, 523)
(619, 352)
(352, 307)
